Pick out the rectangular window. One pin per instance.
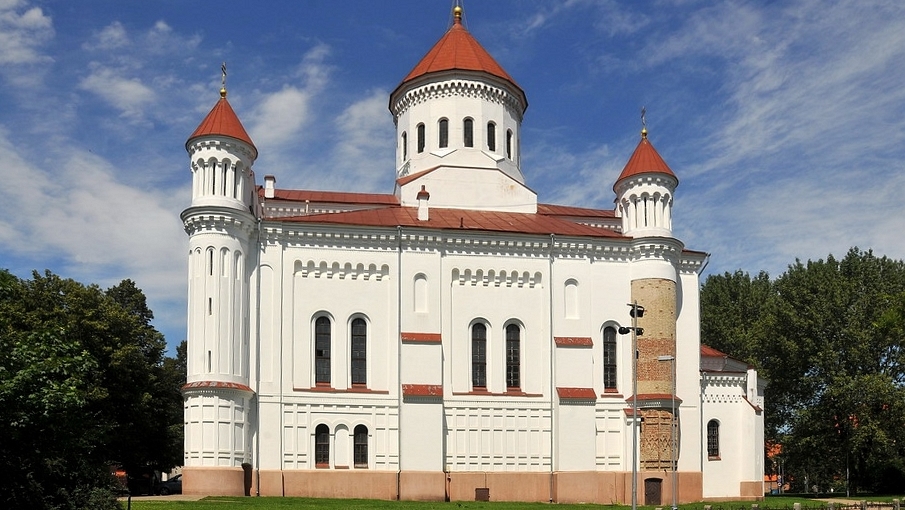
(609, 358)
(479, 356)
(322, 351)
(468, 128)
(513, 356)
(322, 446)
(361, 446)
(359, 352)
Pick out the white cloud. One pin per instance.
(110, 37)
(280, 116)
(366, 153)
(128, 95)
(22, 34)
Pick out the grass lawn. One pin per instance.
(223, 503)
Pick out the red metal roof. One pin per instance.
(457, 219)
(426, 338)
(422, 390)
(573, 341)
(458, 50)
(644, 160)
(222, 121)
(218, 385)
(332, 197)
(710, 352)
(580, 212)
(576, 393)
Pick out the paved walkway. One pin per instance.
(171, 497)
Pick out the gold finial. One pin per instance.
(457, 13)
(643, 122)
(223, 80)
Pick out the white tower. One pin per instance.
(458, 118)
(644, 193)
(220, 223)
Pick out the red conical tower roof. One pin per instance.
(222, 121)
(458, 50)
(644, 160)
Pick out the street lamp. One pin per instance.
(672, 426)
(636, 311)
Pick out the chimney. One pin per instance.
(269, 181)
(423, 197)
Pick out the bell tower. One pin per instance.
(220, 223)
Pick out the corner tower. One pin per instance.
(458, 115)
(644, 195)
(220, 223)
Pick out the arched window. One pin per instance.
(468, 132)
(444, 133)
(513, 356)
(491, 136)
(361, 446)
(609, 358)
(322, 342)
(405, 146)
(420, 138)
(322, 446)
(479, 356)
(713, 440)
(509, 143)
(359, 352)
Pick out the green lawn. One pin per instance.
(361, 504)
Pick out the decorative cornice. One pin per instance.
(473, 89)
(199, 219)
(216, 387)
(221, 143)
(345, 271)
(495, 278)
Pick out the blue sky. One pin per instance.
(785, 121)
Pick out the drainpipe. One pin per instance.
(551, 345)
(399, 356)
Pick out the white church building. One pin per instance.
(454, 339)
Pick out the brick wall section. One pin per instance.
(658, 297)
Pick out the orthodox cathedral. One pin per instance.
(454, 339)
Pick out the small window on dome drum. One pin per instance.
(444, 133)
(509, 144)
(468, 132)
(420, 138)
(405, 146)
(491, 136)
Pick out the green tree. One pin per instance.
(828, 336)
(82, 386)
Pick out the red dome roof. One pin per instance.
(644, 160)
(458, 50)
(222, 121)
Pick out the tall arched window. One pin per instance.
(713, 440)
(420, 138)
(468, 132)
(359, 352)
(491, 136)
(322, 446)
(444, 133)
(360, 447)
(509, 143)
(609, 358)
(405, 146)
(513, 356)
(322, 342)
(479, 356)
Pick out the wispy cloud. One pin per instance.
(23, 31)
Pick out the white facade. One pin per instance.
(454, 337)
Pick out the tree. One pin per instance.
(82, 384)
(828, 335)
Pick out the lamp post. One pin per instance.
(672, 426)
(636, 311)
